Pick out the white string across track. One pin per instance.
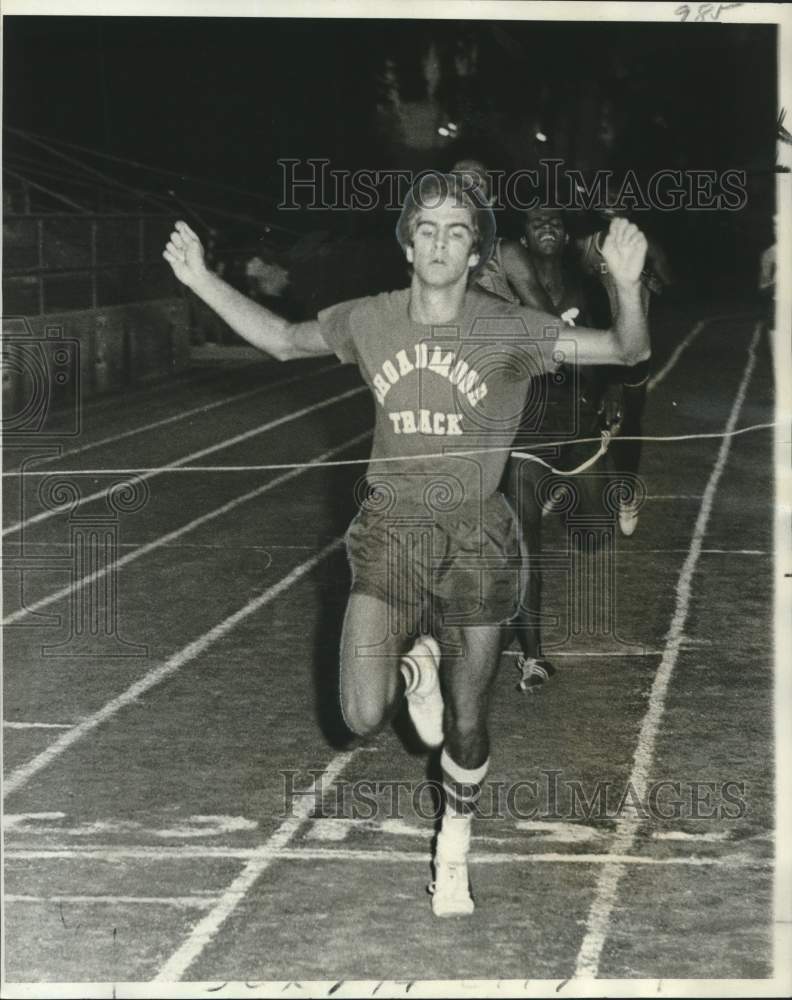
(603, 440)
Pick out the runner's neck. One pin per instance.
(430, 306)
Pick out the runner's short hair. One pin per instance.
(430, 190)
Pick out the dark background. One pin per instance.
(223, 99)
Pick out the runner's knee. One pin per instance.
(363, 712)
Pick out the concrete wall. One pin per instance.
(107, 350)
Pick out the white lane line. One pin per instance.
(51, 547)
(180, 902)
(683, 346)
(22, 818)
(37, 725)
(606, 655)
(260, 858)
(206, 929)
(735, 552)
(704, 552)
(629, 552)
(598, 921)
(171, 536)
(656, 379)
(713, 835)
(564, 833)
(336, 830)
(227, 443)
(20, 777)
(191, 827)
(609, 654)
(186, 414)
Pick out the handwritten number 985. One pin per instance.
(704, 11)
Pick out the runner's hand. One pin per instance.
(624, 251)
(185, 254)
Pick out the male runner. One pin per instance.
(538, 271)
(625, 395)
(447, 367)
(543, 272)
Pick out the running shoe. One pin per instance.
(451, 889)
(628, 518)
(424, 697)
(534, 673)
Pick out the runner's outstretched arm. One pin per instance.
(627, 341)
(263, 329)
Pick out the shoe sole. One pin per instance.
(466, 912)
(534, 681)
(450, 908)
(431, 740)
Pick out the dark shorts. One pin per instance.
(637, 376)
(461, 568)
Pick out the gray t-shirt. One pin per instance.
(442, 392)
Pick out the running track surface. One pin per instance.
(149, 830)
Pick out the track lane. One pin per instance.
(201, 437)
(238, 948)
